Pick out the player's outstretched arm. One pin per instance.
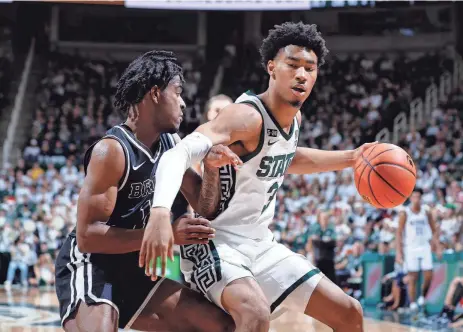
(203, 193)
(97, 200)
(234, 123)
(308, 161)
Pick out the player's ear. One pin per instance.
(271, 68)
(155, 94)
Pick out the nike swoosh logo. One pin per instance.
(271, 143)
(137, 167)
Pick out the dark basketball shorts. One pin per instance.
(100, 278)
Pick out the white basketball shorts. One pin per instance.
(418, 259)
(286, 278)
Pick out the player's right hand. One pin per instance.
(189, 230)
(220, 155)
(158, 241)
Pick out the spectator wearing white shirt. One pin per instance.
(19, 259)
(347, 189)
(32, 151)
(359, 221)
(50, 172)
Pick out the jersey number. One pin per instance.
(419, 230)
(272, 191)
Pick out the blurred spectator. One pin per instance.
(452, 299)
(20, 252)
(214, 105)
(44, 269)
(323, 242)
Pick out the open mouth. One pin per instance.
(298, 90)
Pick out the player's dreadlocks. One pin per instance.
(150, 69)
(289, 33)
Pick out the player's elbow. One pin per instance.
(352, 318)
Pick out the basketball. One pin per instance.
(385, 175)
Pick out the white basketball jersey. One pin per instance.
(247, 204)
(417, 230)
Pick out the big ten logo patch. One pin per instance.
(272, 132)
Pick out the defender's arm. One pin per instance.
(97, 200)
(203, 193)
(237, 122)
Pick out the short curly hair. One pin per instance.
(290, 33)
(150, 69)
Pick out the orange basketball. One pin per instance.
(385, 175)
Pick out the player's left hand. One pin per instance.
(158, 241)
(358, 152)
(189, 230)
(221, 155)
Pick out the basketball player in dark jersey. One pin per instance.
(99, 284)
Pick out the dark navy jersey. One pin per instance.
(136, 187)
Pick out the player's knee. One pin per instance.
(253, 312)
(352, 316)
(355, 313)
(104, 323)
(262, 318)
(95, 318)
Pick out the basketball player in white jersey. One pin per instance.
(416, 230)
(244, 270)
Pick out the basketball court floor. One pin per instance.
(36, 310)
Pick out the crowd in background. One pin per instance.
(353, 99)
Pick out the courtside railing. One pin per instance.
(18, 103)
(420, 110)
